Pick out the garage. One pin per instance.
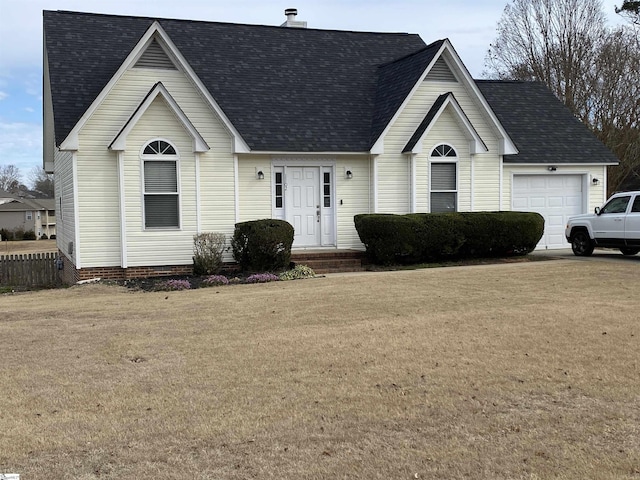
(555, 197)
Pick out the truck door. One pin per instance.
(632, 224)
(609, 226)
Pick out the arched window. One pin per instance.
(161, 192)
(443, 174)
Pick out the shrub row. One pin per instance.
(421, 237)
(18, 233)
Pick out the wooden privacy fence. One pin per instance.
(29, 270)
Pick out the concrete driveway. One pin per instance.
(599, 255)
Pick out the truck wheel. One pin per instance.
(629, 250)
(581, 244)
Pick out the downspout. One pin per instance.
(501, 176)
(472, 183)
(198, 219)
(375, 184)
(76, 248)
(412, 183)
(123, 211)
(236, 189)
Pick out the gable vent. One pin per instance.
(440, 72)
(155, 57)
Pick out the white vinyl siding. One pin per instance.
(255, 195)
(98, 178)
(394, 168)
(64, 195)
(159, 246)
(352, 197)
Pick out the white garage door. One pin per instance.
(555, 197)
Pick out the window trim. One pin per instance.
(438, 159)
(160, 158)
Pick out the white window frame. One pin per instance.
(160, 158)
(449, 160)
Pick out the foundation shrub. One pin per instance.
(262, 245)
(208, 249)
(425, 237)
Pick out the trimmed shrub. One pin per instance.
(421, 237)
(208, 249)
(44, 237)
(262, 245)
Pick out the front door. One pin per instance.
(303, 205)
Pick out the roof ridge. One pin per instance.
(417, 52)
(214, 22)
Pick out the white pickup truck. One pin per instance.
(615, 225)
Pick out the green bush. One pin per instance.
(262, 245)
(29, 235)
(208, 249)
(423, 237)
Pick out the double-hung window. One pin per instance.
(444, 179)
(161, 193)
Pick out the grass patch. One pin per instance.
(502, 371)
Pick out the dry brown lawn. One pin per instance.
(27, 246)
(520, 371)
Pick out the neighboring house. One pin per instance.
(29, 214)
(158, 129)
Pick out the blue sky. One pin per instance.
(469, 24)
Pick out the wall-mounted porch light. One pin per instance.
(259, 174)
(348, 174)
(595, 181)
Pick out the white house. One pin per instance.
(158, 129)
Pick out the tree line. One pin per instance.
(593, 69)
(40, 181)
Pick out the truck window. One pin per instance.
(617, 205)
(636, 205)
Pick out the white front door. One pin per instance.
(303, 205)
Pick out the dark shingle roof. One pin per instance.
(542, 128)
(395, 81)
(284, 89)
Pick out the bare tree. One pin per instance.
(552, 41)
(10, 179)
(42, 182)
(631, 10)
(592, 70)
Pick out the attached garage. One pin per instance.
(555, 197)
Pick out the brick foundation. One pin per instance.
(70, 274)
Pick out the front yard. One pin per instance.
(502, 371)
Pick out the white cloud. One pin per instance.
(29, 109)
(3, 95)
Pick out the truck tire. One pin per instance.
(629, 250)
(581, 244)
